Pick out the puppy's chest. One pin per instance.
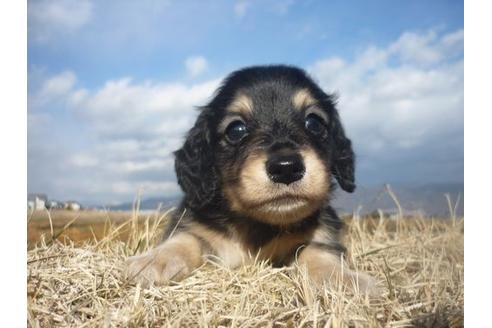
(278, 248)
(244, 242)
(282, 248)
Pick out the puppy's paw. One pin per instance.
(157, 267)
(173, 260)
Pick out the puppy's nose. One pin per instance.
(285, 168)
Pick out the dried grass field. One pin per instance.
(72, 283)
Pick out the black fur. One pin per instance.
(195, 164)
(206, 163)
(343, 156)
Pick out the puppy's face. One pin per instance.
(268, 144)
(272, 154)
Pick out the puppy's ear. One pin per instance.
(194, 165)
(343, 161)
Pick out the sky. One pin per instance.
(113, 86)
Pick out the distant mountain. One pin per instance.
(148, 204)
(428, 199)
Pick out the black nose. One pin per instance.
(285, 168)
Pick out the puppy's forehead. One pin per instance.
(270, 98)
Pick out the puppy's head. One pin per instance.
(267, 145)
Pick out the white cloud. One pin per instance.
(58, 85)
(47, 18)
(84, 160)
(121, 107)
(52, 89)
(428, 48)
(415, 48)
(138, 126)
(196, 65)
(401, 96)
(132, 128)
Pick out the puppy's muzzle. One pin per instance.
(285, 168)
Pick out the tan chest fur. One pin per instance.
(235, 250)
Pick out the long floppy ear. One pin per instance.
(343, 161)
(194, 165)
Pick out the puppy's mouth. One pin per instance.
(279, 189)
(282, 201)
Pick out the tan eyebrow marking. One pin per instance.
(241, 104)
(303, 99)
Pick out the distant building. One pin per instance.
(36, 201)
(41, 202)
(53, 204)
(72, 205)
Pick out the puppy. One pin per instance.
(257, 170)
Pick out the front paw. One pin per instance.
(157, 267)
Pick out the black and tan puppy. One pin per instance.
(257, 170)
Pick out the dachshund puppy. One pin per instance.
(257, 170)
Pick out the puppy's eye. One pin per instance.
(314, 124)
(236, 131)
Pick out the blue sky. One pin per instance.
(112, 84)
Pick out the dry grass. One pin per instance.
(77, 225)
(419, 263)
